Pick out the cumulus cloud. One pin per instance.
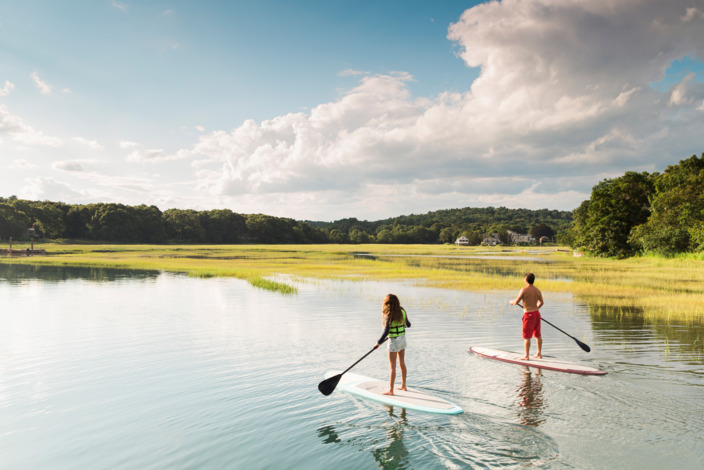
(13, 127)
(564, 91)
(7, 88)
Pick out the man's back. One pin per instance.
(532, 298)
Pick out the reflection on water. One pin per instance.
(389, 451)
(393, 454)
(630, 327)
(530, 402)
(18, 273)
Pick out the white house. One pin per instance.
(491, 240)
(517, 238)
(462, 241)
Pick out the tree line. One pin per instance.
(639, 213)
(119, 223)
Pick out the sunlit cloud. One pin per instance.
(13, 127)
(44, 88)
(7, 88)
(126, 144)
(156, 156)
(88, 143)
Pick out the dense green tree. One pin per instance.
(13, 223)
(603, 224)
(149, 224)
(114, 223)
(677, 207)
(359, 236)
(223, 226)
(184, 225)
(542, 230)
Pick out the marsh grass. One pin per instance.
(658, 289)
(274, 286)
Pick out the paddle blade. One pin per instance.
(328, 385)
(582, 345)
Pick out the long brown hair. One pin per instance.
(391, 310)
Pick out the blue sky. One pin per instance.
(321, 110)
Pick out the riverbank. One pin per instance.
(657, 289)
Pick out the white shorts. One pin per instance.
(397, 344)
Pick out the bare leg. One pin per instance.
(392, 373)
(402, 364)
(526, 346)
(540, 348)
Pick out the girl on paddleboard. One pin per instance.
(395, 321)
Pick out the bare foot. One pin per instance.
(402, 388)
(388, 392)
(524, 358)
(538, 356)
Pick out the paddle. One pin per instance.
(585, 347)
(328, 385)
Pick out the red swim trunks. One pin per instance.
(531, 324)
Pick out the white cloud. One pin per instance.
(692, 13)
(88, 143)
(9, 86)
(70, 166)
(48, 188)
(126, 144)
(12, 126)
(23, 164)
(119, 5)
(563, 94)
(44, 88)
(156, 156)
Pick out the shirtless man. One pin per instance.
(532, 301)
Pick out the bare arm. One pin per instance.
(519, 298)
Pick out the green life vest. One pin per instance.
(398, 328)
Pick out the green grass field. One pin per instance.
(663, 290)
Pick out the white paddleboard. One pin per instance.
(548, 364)
(411, 399)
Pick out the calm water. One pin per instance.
(101, 369)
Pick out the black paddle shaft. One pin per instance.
(328, 385)
(584, 347)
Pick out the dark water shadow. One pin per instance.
(19, 273)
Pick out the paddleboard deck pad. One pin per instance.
(372, 389)
(548, 364)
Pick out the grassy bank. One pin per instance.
(655, 288)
